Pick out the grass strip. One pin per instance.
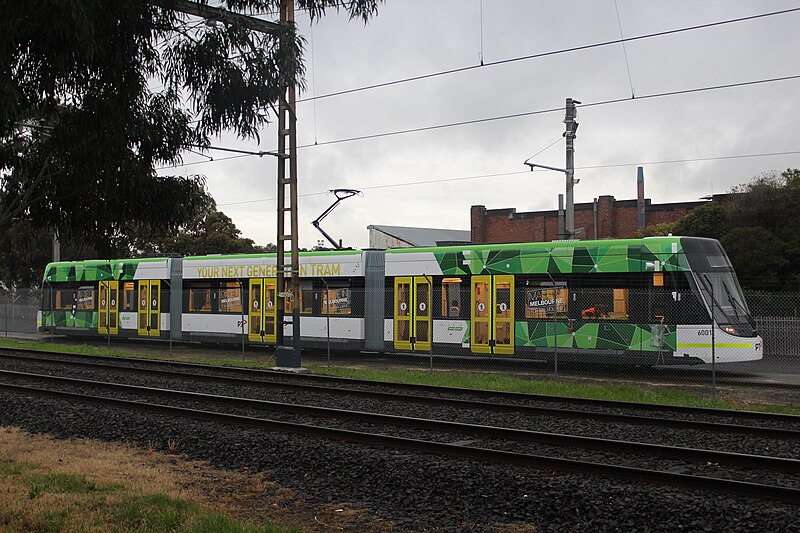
(34, 498)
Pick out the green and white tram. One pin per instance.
(657, 300)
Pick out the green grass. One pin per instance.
(61, 483)
(13, 469)
(88, 505)
(90, 349)
(155, 513)
(503, 383)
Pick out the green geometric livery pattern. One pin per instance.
(65, 319)
(91, 271)
(629, 255)
(637, 337)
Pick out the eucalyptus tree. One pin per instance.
(95, 96)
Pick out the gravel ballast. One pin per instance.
(416, 492)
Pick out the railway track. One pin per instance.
(710, 469)
(678, 417)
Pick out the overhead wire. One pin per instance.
(550, 53)
(551, 110)
(528, 114)
(515, 173)
(624, 50)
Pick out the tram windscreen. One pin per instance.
(719, 286)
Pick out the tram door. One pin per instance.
(492, 314)
(149, 308)
(108, 312)
(412, 313)
(261, 310)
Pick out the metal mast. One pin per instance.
(571, 128)
(286, 355)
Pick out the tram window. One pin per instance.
(85, 298)
(129, 296)
(306, 297)
(64, 297)
(451, 297)
(306, 300)
(604, 304)
(542, 302)
(200, 298)
(229, 297)
(338, 299)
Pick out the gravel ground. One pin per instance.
(730, 442)
(416, 492)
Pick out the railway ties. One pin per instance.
(758, 424)
(766, 477)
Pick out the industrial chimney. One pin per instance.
(640, 222)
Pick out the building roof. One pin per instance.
(424, 236)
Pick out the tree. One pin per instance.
(707, 220)
(757, 255)
(82, 128)
(210, 232)
(769, 201)
(663, 228)
(756, 229)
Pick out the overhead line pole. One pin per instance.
(571, 128)
(287, 356)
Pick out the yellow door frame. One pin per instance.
(108, 310)
(492, 317)
(403, 308)
(422, 314)
(480, 314)
(503, 314)
(148, 312)
(261, 312)
(412, 313)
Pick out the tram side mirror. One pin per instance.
(649, 265)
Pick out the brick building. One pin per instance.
(604, 218)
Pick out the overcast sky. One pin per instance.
(431, 178)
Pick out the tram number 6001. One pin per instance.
(704, 332)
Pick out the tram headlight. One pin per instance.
(730, 329)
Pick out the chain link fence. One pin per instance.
(18, 311)
(548, 330)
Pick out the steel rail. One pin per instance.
(434, 389)
(744, 488)
(765, 432)
(675, 452)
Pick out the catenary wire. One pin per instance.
(503, 174)
(550, 53)
(551, 110)
(527, 114)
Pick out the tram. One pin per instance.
(656, 300)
